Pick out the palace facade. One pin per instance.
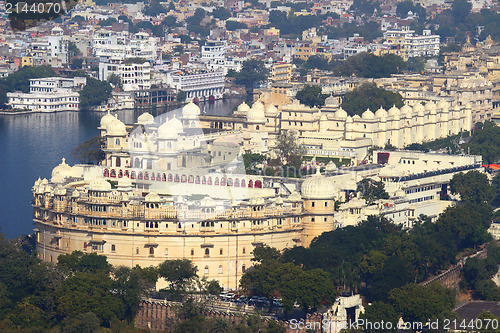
(166, 191)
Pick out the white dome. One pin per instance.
(116, 127)
(108, 117)
(60, 172)
(99, 185)
(75, 194)
(271, 109)
(400, 193)
(152, 197)
(406, 109)
(190, 111)
(381, 113)
(418, 108)
(256, 113)
(393, 111)
(331, 166)
(430, 106)
(317, 187)
(295, 196)
(340, 113)
(243, 107)
(330, 101)
(170, 129)
(145, 119)
(368, 114)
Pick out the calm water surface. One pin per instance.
(32, 145)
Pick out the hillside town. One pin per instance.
(251, 166)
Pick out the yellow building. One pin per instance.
(281, 72)
(27, 60)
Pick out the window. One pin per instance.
(220, 251)
(151, 251)
(206, 270)
(207, 252)
(113, 248)
(244, 251)
(243, 268)
(192, 252)
(220, 269)
(136, 250)
(166, 252)
(312, 204)
(326, 203)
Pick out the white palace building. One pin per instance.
(166, 190)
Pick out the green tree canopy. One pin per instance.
(369, 96)
(472, 186)
(486, 142)
(178, 272)
(288, 145)
(372, 190)
(90, 151)
(311, 96)
(77, 261)
(368, 65)
(94, 93)
(253, 72)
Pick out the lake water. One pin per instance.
(32, 145)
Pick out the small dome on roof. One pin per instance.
(279, 201)
(418, 108)
(152, 197)
(75, 194)
(170, 129)
(340, 113)
(330, 101)
(442, 104)
(381, 113)
(331, 166)
(256, 113)
(116, 128)
(406, 109)
(295, 196)
(430, 106)
(393, 111)
(145, 119)
(59, 190)
(271, 109)
(99, 185)
(317, 187)
(60, 172)
(108, 117)
(190, 111)
(243, 107)
(349, 119)
(368, 114)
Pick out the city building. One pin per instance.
(50, 94)
(198, 84)
(134, 76)
(406, 44)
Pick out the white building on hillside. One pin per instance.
(134, 76)
(200, 84)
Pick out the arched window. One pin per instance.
(229, 182)
(197, 180)
(146, 176)
(209, 181)
(176, 178)
(151, 251)
(183, 178)
(192, 252)
(132, 175)
(170, 177)
(204, 180)
(164, 178)
(236, 182)
(166, 252)
(206, 270)
(258, 184)
(137, 163)
(216, 181)
(191, 179)
(242, 183)
(223, 181)
(106, 173)
(118, 162)
(207, 252)
(220, 269)
(117, 142)
(150, 164)
(126, 173)
(113, 173)
(120, 174)
(243, 268)
(136, 250)
(250, 183)
(113, 248)
(139, 176)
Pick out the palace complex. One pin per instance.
(175, 186)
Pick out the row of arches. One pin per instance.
(176, 178)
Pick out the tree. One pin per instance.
(90, 151)
(404, 7)
(115, 80)
(221, 13)
(472, 186)
(368, 65)
(77, 261)
(288, 145)
(73, 50)
(77, 63)
(417, 303)
(179, 49)
(364, 7)
(311, 96)
(252, 73)
(378, 312)
(460, 10)
(94, 93)
(265, 253)
(179, 273)
(368, 96)
(235, 25)
(486, 142)
(154, 8)
(181, 96)
(372, 190)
